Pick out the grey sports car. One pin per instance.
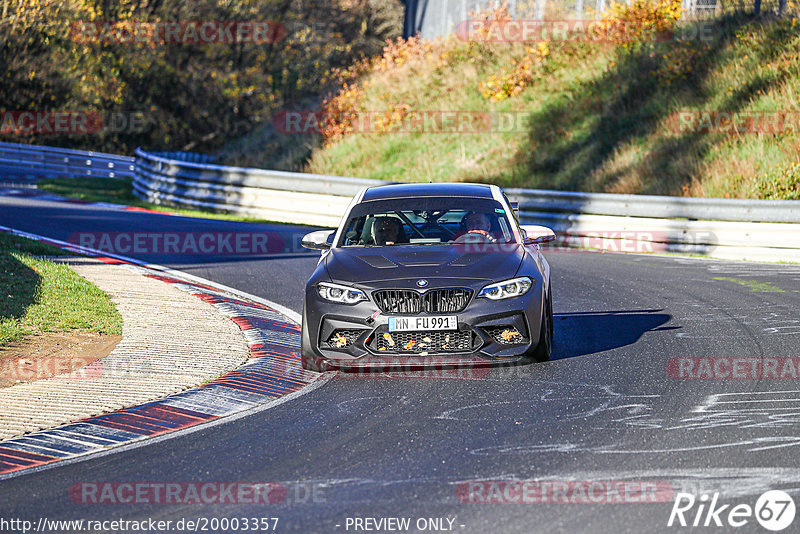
(427, 272)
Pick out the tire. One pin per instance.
(550, 310)
(541, 353)
(309, 362)
(313, 363)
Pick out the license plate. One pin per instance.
(442, 322)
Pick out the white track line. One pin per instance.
(145, 440)
(293, 315)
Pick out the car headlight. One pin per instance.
(341, 294)
(507, 288)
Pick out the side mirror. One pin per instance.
(319, 240)
(532, 234)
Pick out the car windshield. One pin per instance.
(427, 221)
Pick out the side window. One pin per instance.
(352, 234)
(507, 234)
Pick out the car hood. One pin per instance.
(371, 264)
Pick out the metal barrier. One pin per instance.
(189, 157)
(762, 230)
(274, 195)
(661, 207)
(21, 161)
(732, 229)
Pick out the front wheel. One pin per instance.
(541, 353)
(314, 363)
(309, 362)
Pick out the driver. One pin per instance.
(386, 230)
(477, 223)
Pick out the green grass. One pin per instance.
(595, 117)
(37, 295)
(754, 285)
(120, 191)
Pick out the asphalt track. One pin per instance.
(606, 408)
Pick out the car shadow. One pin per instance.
(583, 333)
(576, 334)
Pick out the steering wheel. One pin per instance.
(476, 236)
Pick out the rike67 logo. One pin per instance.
(774, 510)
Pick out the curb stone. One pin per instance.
(273, 370)
(170, 341)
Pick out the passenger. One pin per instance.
(386, 231)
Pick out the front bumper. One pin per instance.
(488, 331)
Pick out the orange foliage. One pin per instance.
(511, 82)
(643, 20)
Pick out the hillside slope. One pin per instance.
(622, 115)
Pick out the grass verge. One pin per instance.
(40, 296)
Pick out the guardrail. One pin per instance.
(662, 207)
(764, 230)
(188, 157)
(21, 161)
(275, 195)
(732, 229)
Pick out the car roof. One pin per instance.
(383, 192)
